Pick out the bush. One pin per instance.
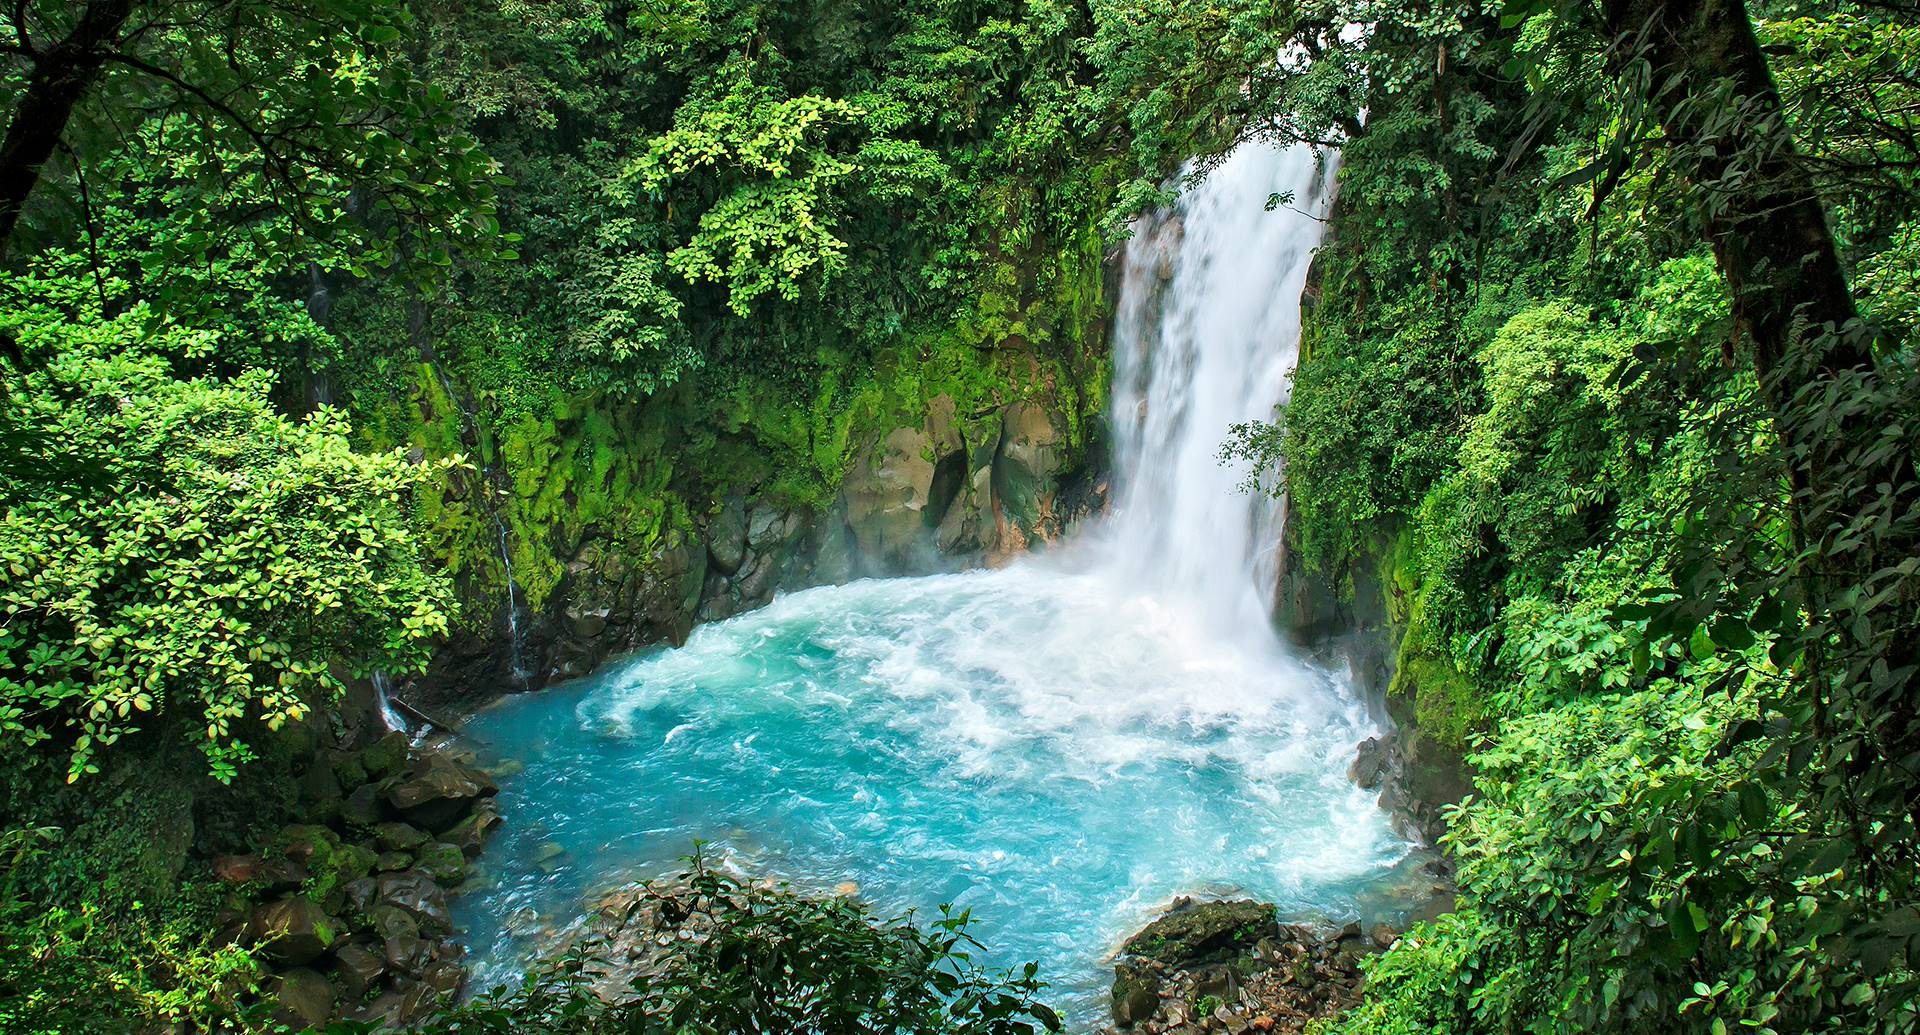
(775, 961)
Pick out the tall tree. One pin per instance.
(301, 114)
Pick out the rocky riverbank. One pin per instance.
(1234, 967)
(350, 908)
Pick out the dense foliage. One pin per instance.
(1609, 376)
(1644, 506)
(312, 314)
(766, 959)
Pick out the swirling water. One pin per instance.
(1061, 745)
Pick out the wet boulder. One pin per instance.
(301, 998)
(420, 896)
(443, 862)
(1371, 762)
(436, 792)
(409, 954)
(470, 834)
(359, 970)
(361, 894)
(727, 537)
(444, 977)
(392, 921)
(293, 931)
(398, 837)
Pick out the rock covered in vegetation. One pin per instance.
(1233, 967)
(354, 913)
(293, 930)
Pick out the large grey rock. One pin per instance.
(727, 537)
(886, 494)
(359, 969)
(1025, 472)
(769, 529)
(436, 792)
(1369, 766)
(833, 546)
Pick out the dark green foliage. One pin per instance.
(771, 960)
(1652, 543)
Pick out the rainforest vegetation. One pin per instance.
(323, 322)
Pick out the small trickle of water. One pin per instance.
(518, 672)
(383, 700)
(1062, 745)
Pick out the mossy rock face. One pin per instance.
(590, 523)
(1203, 932)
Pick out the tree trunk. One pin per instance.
(60, 77)
(1853, 505)
(1768, 229)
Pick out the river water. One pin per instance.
(1061, 745)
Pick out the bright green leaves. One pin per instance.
(309, 115)
(211, 561)
(784, 173)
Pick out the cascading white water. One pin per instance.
(516, 670)
(383, 703)
(1061, 745)
(1206, 332)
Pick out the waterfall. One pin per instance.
(1206, 332)
(1063, 744)
(383, 700)
(518, 672)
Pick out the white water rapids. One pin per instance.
(1061, 745)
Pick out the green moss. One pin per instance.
(1445, 703)
(554, 464)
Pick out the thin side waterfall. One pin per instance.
(383, 700)
(519, 671)
(1206, 332)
